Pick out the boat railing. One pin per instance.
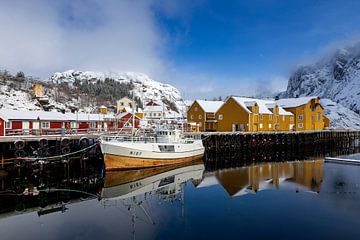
(127, 138)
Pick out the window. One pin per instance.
(121, 104)
(292, 118)
(270, 126)
(300, 125)
(200, 116)
(73, 125)
(261, 117)
(313, 118)
(220, 117)
(92, 124)
(319, 116)
(300, 117)
(270, 117)
(195, 109)
(159, 114)
(45, 125)
(283, 118)
(8, 125)
(261, 126)
(192, 117)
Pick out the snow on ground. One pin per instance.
(145, 87)
(16, 99)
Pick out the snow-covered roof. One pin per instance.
(8, 114)
(264, 105)
(244, 102)
(210, 106)
(294, 102)
(153, 109)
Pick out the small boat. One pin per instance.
(166, 147)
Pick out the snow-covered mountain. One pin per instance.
(340, 116)
(336, 77)
(144, 87)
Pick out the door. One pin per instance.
(26, 127)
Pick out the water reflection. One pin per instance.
(251, 179)
(181, 202)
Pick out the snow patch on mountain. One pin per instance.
(336, 77)
(144, 87)
(340, 116)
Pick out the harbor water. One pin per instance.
(307, 199)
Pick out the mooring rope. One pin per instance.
(53, 157)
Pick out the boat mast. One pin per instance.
(133, 117)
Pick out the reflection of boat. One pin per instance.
(125, 184)
(166, 148)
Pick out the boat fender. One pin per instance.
(65, 150)
(84, 141)
(19, 163)
(19, 144)
(20, 153)
(65, 141)
(43, 142)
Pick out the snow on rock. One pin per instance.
(16, 99)
(144, 87)
(336, 77)
(340, 116)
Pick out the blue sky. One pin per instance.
(204, 48)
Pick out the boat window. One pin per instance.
(167, 148)
(166, 181)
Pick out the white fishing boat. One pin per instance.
(164, 148)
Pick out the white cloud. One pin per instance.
(41, 37)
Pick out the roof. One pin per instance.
(210, 106)
(264, 105)
(153, 109)
(8, 114)
(294, 102)
(244, 102)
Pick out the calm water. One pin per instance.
(291, 200)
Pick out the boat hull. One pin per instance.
(115, 162)
(127, 155)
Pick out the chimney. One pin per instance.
(297, 96)
(277, 97)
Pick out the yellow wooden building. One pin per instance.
(201, 113)
(308, 112)
(254, 115)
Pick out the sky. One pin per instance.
(204, 48)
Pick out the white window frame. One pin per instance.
(260, 125)
(73, 125)
(200, 116)
(191, 117)
(292, 118)
(300, 125)
(300, 117)
(270, 125)
(92, 125)
(195, 109)
(45, 125)
(220, 117)
(8, 125)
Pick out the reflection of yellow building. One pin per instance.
(308, 112)
(255, 178)
(38, 90)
